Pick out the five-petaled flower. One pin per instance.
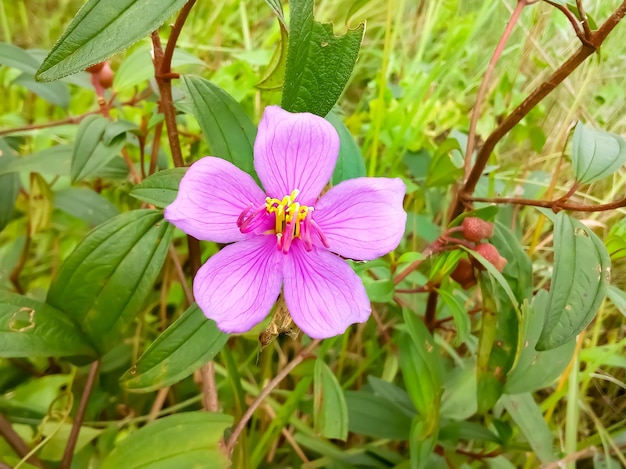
(286, 236)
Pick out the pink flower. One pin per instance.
(284, 236)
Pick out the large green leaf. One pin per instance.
(184, 347)
(159, 189)
(535, 370)
(104, 282)
(54, 160)
(329, 404)
(319, 64)
(579, 281)
(100, 29)
(596, 154)
(183, 440)
(91, 153)
(227, 128)
(29, 328)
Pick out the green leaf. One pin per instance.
(190, 342)
(596, 154)
(469, 431)
(55, 93)
(85, 204)
(90, 152)
(54, 160)
(319, 64)
(350, 163)
(329, 405)
(528, 417)
(535, 370)
(579, 281)
(99, 30)
(227, 128)
(421, 368)
(188, 439)
(375, 416)
(274, 75)
(159, 189)
(29, 328)
(104, 282)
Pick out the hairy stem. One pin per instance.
(80, 414)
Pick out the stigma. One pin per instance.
(291, 220)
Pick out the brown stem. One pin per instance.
(232, 441)
(156, 144)
(171, 42)
(555, 205)
(482, 91)
(431, 310)
(209, 388)
(543, 90)
(16, 443)
(583, 19)
(572, 19)
(80, 414)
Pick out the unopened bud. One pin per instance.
(490, 253)
(476, 229)
(464, 274)
(105, 77)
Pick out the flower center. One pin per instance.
(291, 220)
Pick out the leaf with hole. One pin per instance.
(29, 328)
(579, 281)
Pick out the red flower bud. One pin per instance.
(489, 252)
(464, 274)
(106, 76)
(476, 229)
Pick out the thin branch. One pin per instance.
(583, 19)
(543, 90)
(580, 33)
(80, 414)
(166, 61)
(16, 443)
(232, 441)
(482, 91)
(555, 205)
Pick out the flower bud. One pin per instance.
(464, 274)
(105, 77)
(490, 252)
(476, 229)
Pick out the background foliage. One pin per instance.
(106, 361)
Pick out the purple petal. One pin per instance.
(238, 286)
(295, 151)
(362, 218)
(211, 196)
(323, 294)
